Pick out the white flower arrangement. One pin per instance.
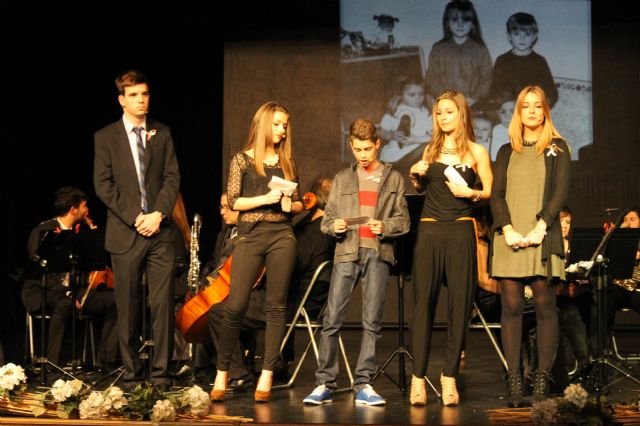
(62, 390)
(196, 401)
(576, 395)
(163, 411)
(73, 399)
(114, 398)
(67, 394)
(575, 407)
(11, 375)
(544, 412)
(93, 407)
(99, 405)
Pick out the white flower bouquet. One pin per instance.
(575, 407)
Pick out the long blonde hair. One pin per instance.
(549, 131)
(261, 135)
(462, 133)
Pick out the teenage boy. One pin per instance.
(365, 211)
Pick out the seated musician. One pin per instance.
(71, 210)
(575, 303)
(625, 293)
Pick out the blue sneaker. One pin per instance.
(320, 395)
(368, 396)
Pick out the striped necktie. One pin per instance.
(140, 145)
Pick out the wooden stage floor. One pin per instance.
(481, 387)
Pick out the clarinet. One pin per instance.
(193, 278)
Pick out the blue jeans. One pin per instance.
(374, 273)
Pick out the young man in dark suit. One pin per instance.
(136, 175)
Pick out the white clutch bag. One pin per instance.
(454, 176)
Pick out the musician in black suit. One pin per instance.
(624, 293)
(136, 175)
(71, 211)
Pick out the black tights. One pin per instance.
(544, 300)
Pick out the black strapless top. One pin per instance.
(439, 202)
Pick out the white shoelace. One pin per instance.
(369, 390)
(318, 390)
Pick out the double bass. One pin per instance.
(192, 318)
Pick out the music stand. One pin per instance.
(53, 255)
(404, 256)
(145, 352)
(614, 256)
(92, 256)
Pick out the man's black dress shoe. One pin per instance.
(242, 385)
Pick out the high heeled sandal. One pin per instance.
(418, 394)
(218, 395)
(450, 394)
(262, 395)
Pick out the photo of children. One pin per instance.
(407, 125)
(460, 61)
(458, 40)
(521, 66)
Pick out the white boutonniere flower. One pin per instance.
(151, 133)
(553, 150)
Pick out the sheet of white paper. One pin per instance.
(286, 186)
(361, 220)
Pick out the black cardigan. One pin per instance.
(556, 190)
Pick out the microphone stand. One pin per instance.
(146, 350)
(401, 350)
(145, 353)
(43, 262)
(73, 283)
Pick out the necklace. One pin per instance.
(529, 143)
(448, 151)
(272, 162)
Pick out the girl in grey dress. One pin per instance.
(530, 187)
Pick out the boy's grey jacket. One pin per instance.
(344, 202)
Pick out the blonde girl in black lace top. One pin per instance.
(265, 238)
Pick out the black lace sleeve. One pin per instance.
(296, 192)
(234, 182)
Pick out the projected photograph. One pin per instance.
(398, 56)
